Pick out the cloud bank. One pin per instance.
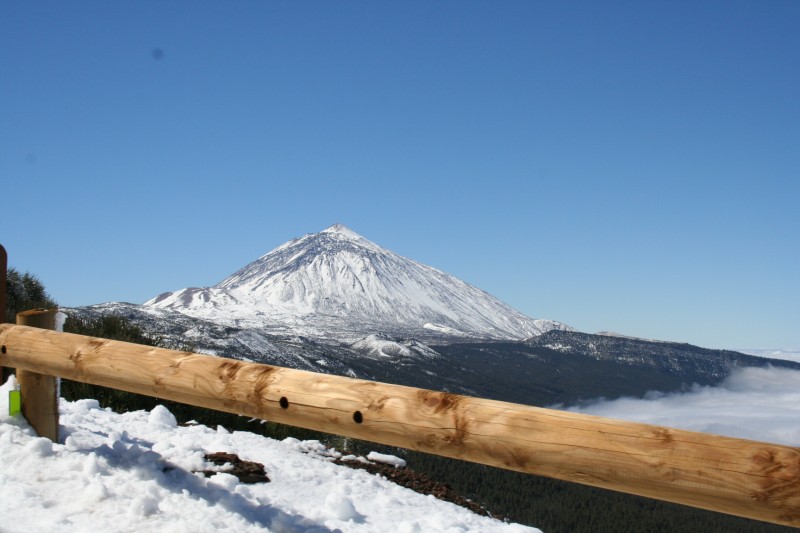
(752, 403)
(789, 354)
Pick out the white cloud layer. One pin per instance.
(789, 354)
(752, 403)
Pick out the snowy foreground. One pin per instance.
(133, 472)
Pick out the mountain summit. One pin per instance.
(338, 283)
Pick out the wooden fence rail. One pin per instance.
(740, 477)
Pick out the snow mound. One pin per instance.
(377, 345)
(447, 330)
(380, 346)
(386, 459)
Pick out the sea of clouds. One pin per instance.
(752, 403)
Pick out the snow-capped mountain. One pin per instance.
(337, 283)
(334, 302)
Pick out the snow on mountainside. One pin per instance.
(336, 282)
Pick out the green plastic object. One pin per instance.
(14, 402)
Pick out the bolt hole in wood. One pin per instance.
(358, 417)
(284, 403)
(3, 349)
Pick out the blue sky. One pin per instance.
(624, 166)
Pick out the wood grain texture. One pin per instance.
(39, 391)
(740, 477)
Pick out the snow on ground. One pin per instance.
(134, 472)
(386, 459)
(376, 345)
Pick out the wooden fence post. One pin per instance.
(3, 274)
(39, 391)
(4, 372)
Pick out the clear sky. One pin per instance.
(624, 166)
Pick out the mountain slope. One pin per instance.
(555, 367)
(337, 283)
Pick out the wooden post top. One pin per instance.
(38, 318)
